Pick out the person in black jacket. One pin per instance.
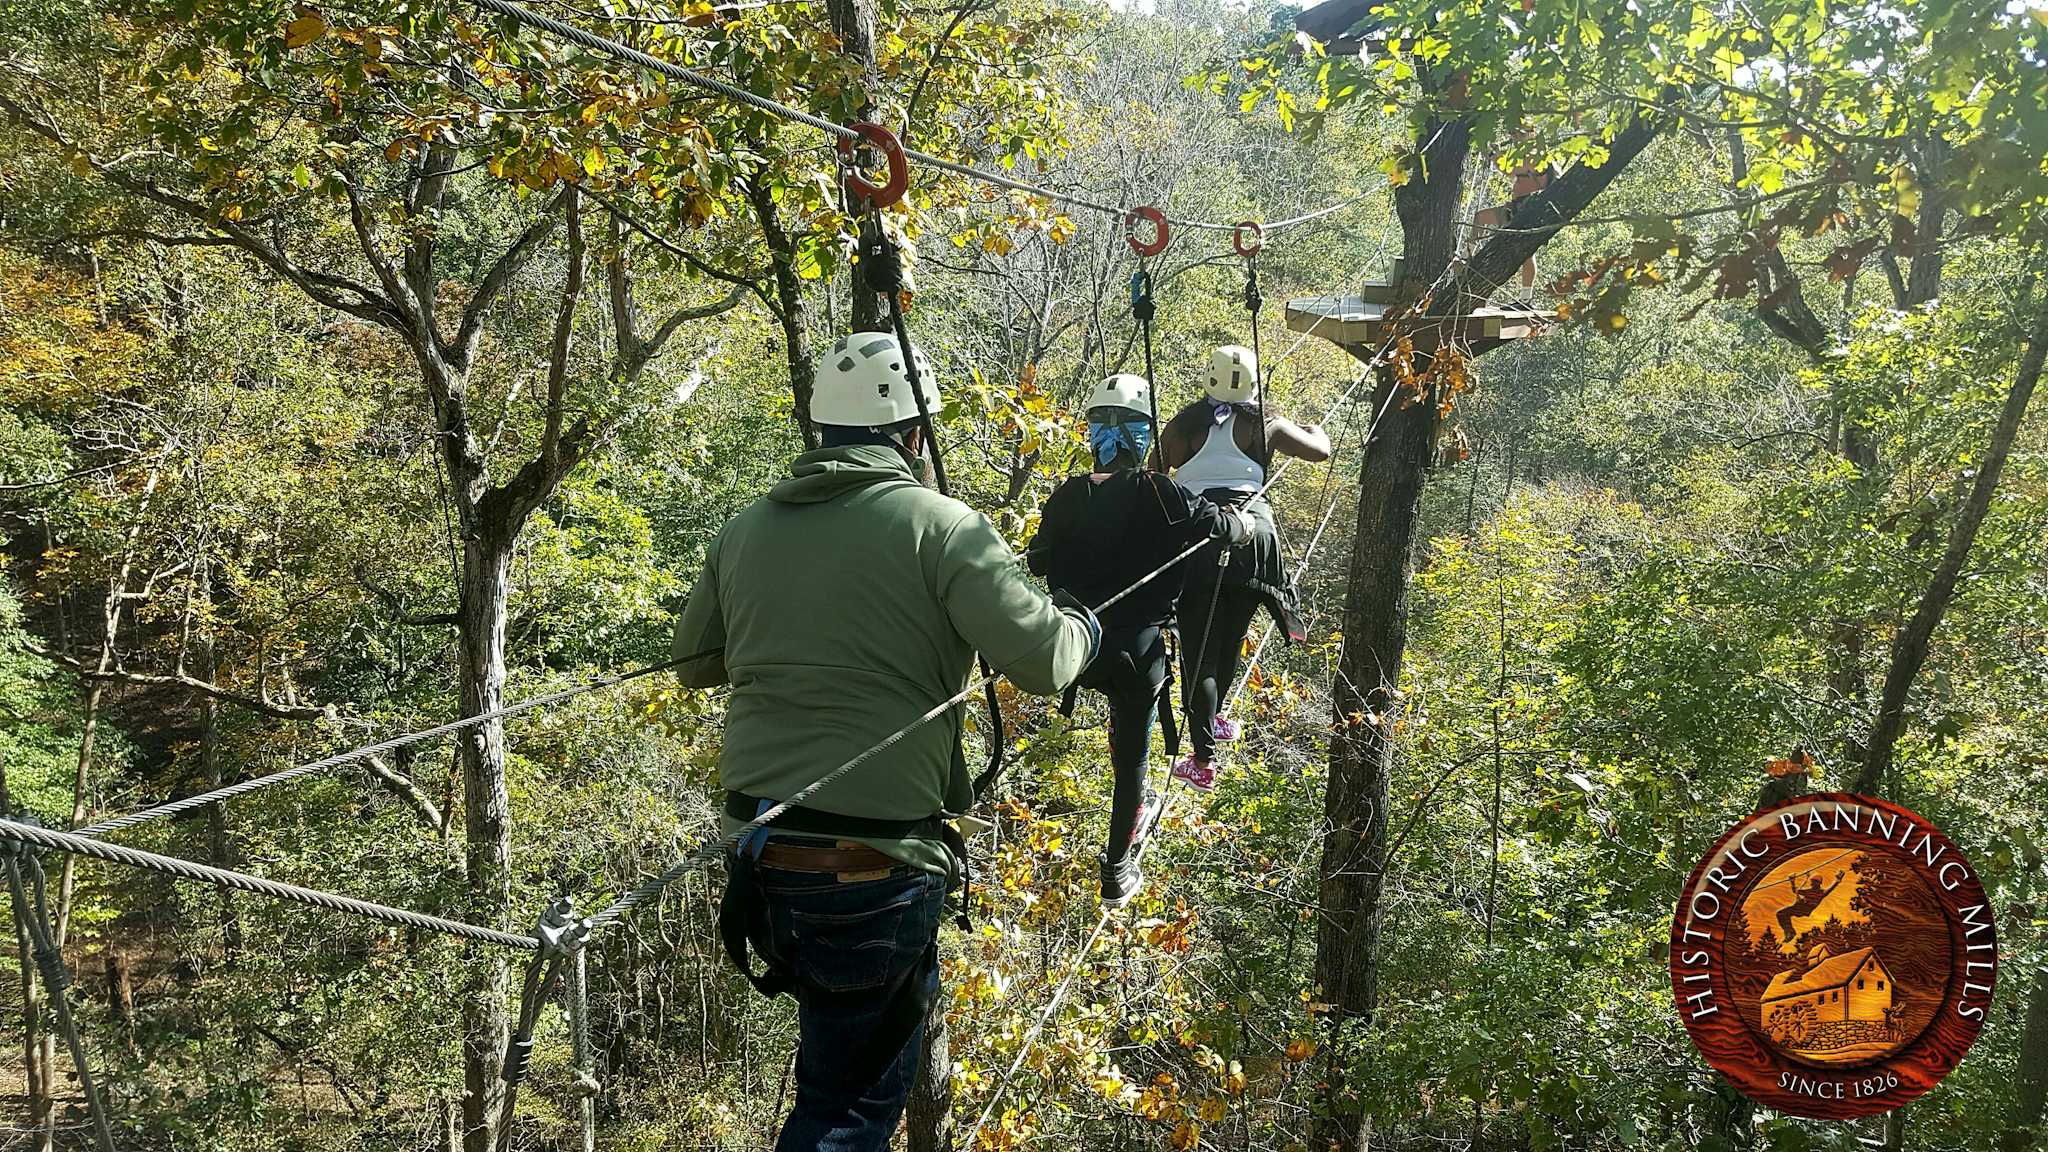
(1098, 534)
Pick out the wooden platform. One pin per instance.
(1359, 323)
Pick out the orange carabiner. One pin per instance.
(866, 195)
(1248, 239)
(1159, 231)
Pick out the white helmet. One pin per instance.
(1233, 375)
(1123, 390)
(862, 383)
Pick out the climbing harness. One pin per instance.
(883, 268)
(1248, 240)
(742, 918)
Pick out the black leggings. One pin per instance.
(1209, 663)
(1133, 692)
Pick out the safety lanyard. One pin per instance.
(881, 266)
(1144, 309)
(1248, 240)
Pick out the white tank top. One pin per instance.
(1219, 463)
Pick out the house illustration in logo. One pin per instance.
(1851, 989)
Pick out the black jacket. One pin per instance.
(1100, 533)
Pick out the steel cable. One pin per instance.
(776, 108)
(190, 870)
(175, 807)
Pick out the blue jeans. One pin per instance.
(850, 945)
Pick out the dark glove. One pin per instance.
(1066, 602)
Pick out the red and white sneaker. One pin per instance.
(1196, 773)
(1224, 730)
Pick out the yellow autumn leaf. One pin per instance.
(1212, 1109)
(1300, 1048)
(303, 31)
(1185, 1136)
(593, 161)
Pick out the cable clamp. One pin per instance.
(560, 931)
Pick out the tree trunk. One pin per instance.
(121, 996)
(790, 310)
(219, 852)
(487, 835)
(930, 1116)
(1366, 699)
(1909, 649)
(81, 785)
(2031, 1076)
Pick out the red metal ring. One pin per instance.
(1159, 230)
(867, 196)
(1248, 239)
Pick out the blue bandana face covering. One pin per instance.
(1108, 439)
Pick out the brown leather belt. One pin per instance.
(846, 857)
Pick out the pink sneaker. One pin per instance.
(1197, 774)
(1224, 730)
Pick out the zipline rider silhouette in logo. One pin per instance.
(1834, 956)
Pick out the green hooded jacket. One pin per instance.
(841, 607)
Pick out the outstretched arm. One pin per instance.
(1287, 438)
(1004, 616)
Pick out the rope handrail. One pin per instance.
(78, 845)
(777, 108)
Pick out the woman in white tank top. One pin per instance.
(1220, 448)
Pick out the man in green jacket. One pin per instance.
(841, 607)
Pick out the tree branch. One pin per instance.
(402, 786)
(1909, 649)
(508, 264)
(1535, 218)
(565, 330)
(258, 704)
(751, 282)
(678, 318)
(368, 305)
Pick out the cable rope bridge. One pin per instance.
(560, 935)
